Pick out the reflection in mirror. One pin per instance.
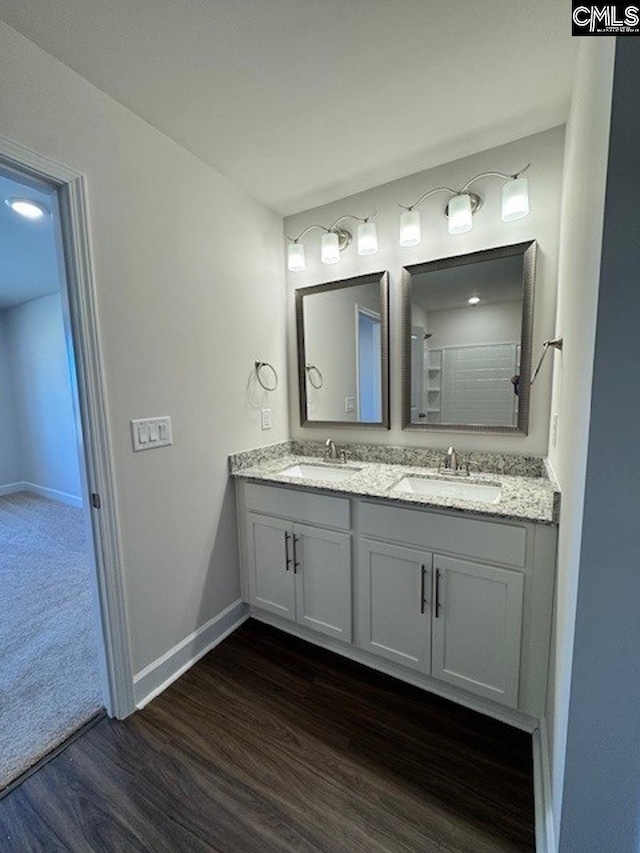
(343, 352)
(468, 341)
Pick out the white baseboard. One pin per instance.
(12, 488)
(158, 675)
(543, 798)
(53, 494)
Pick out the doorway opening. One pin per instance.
(369, 365)
(61, 652)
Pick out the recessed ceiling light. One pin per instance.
(473, 300)
(27, 208)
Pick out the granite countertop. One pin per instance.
(528, 498)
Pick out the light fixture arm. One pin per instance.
(426, 195)
(464, 189)
(306, 231)
(368, 218)
(333, 225)
(494, 175)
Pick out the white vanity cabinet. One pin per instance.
(457, 603)
(477, 627)
(299, 571)
(455, 620)
(394, 603)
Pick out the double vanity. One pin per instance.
(435, 568)
(440, 580)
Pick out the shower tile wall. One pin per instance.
(476, 384)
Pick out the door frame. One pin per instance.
(79, 307)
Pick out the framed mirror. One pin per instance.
(467, 324)
(343, 352)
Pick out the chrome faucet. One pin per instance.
(331, 451)
(453, 464)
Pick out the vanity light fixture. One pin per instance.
(463, 205)
(473, 300)
(27, 207)
(334, 240)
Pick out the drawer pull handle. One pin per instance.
(423, 572)
(286, 551)
(437, 596)
(296, 564)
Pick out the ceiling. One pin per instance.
(28, 253)
(497, 280)
(301, 102)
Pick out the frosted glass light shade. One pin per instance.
(460, 214)
(295, 258)
(515, 200)
(410, 228)
(329, 248)
(367, 237)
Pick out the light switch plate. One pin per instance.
(266, 418)
(349, 404)
(147, 433)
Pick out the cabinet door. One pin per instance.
(323, 580)
(477, 628)
(270, 552)
(395, 595)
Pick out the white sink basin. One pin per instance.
(485, 493)
(334, 473)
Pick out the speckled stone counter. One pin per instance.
(530, 498)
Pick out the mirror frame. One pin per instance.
(381, 278)
(528, 251)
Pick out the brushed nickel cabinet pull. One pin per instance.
(296, 564)
(286, 550)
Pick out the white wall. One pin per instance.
(545, 152)
(496, 323)
(42, 393)
(190, 293)
(579, 268)
(10, 460)
(601, 796)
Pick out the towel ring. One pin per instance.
(312, 371)
(260, 365)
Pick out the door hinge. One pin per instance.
(95, 500)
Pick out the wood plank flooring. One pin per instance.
(271, 744)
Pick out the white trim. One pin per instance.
(80, 308)
(53, 494)
(161, 673)
(12, 488)
(542, 793)
(512, 717)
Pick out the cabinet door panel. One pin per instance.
(272, 583)
(323, 581)
(477, 631)
(395, 623)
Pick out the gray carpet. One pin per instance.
(48, 660)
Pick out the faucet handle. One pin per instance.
(470, 463)
(344, 455)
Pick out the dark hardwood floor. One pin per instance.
(270, 744)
